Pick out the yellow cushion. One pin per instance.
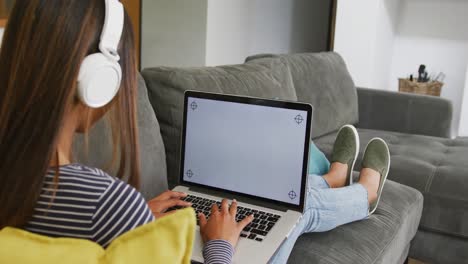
(166, 240)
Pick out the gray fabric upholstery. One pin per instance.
(435, 166)
(429, 164)
(404, 255)
(404, 112)
(432, 247)
(152, 153)
(382, 238)
(322, 80)
(267, 79)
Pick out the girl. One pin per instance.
(47, 92)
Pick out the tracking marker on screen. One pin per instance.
(189, 173)
(299, 119)
(292, 195)
(194, 105)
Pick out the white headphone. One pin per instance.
(100, 73)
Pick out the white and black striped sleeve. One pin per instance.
(120, 209)
(218, 252)
(87, 203)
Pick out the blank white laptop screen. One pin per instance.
(250, 149)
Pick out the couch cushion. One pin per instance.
(437, 167)
(382, 238)
(322, 80)
(432, 247)
(152, 153)
(166, 86)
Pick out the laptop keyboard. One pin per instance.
(257, 230)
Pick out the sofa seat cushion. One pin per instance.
(166, 86)
(437, 167)
(432, 247)
(322, 80)
(382, 238)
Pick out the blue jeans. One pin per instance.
(325, 210)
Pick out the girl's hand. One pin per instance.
(166, 200)
(222, 224)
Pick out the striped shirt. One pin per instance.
(90, 204)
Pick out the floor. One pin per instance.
(413, 261)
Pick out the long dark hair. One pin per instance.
(43, 46)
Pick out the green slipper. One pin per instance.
(346, 149)
(377, 157)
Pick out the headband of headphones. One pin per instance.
(112, 30)
(100, 73)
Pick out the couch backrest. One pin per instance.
(265, 78)
(322, 80)
(152, 153)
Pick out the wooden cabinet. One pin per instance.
(5, 6)
(133, 8)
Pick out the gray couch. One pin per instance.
(431, 165)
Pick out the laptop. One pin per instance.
(252, 150)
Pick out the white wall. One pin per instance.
(173, 33)
(239, 28)
(355, 31)
(1, 35)
(463, 131)
(271, 28)
(293, 26)
(383, 40)
(386, 30)
(217, 32)
(364, 35)
(433, 32)
(227, 31)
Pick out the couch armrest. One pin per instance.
(404, 112)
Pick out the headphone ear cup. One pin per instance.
(98, 80)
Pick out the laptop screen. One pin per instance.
(252, 149)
